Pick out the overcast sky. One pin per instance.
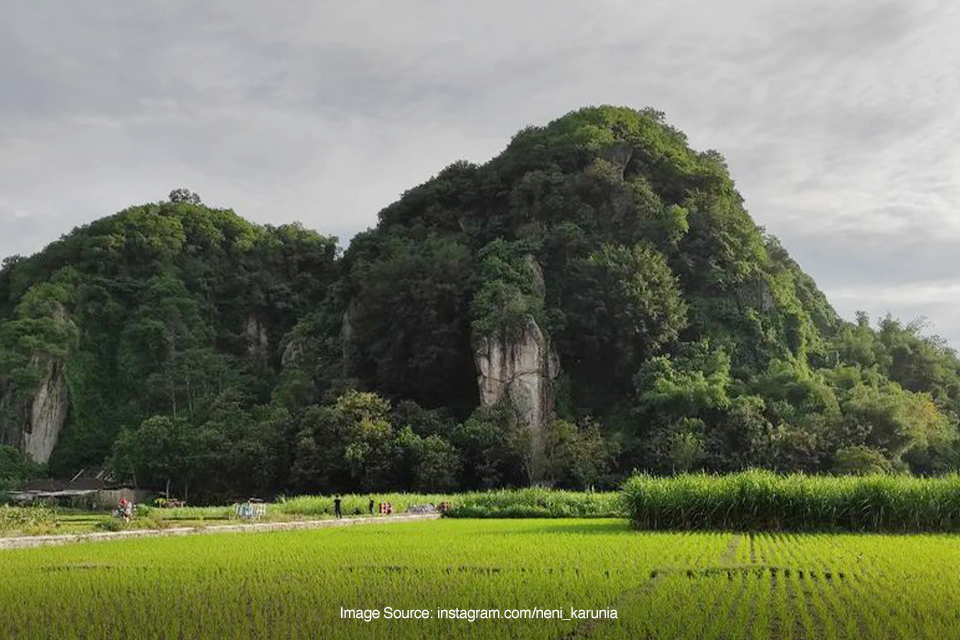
(840, 119)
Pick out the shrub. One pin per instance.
(536, 503)
(860, 461)
(111, 524)
(15, 468)
(27, 519)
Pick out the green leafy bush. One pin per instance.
(15, 468)
(111, 524)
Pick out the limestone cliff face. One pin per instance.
(32, 415)
(48, 413)
(258, 342)
(619, 155)
(348, 348)
(292, 354)
(31, 420)
(521, 369)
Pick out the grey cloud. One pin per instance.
(837, 118)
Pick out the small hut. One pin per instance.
(94, 490)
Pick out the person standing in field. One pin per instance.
(371, 505)
(336, 506)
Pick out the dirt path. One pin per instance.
(24, 542)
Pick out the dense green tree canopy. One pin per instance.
(230, 358)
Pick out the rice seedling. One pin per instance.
(662, 585)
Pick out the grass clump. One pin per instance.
(354, 504)
(536, 503)
(765, 501)
(27, 520)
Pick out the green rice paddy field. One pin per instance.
(661, 584)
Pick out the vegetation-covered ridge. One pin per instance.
(602, 280)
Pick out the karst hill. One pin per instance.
(593, 300)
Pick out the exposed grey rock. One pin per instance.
(619, 155)
(757, 294)
(293, 353)
(258, 342)
(767, 301)
(521, 369)
(346, 328)
(538, 285)
(31, 418)
(48, 413)
(348, 349)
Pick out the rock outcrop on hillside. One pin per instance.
(258, 341)
(521, 370)
(32, 421)
(48, 413)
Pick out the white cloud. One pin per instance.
(838, 119)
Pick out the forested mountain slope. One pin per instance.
(593, 300)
